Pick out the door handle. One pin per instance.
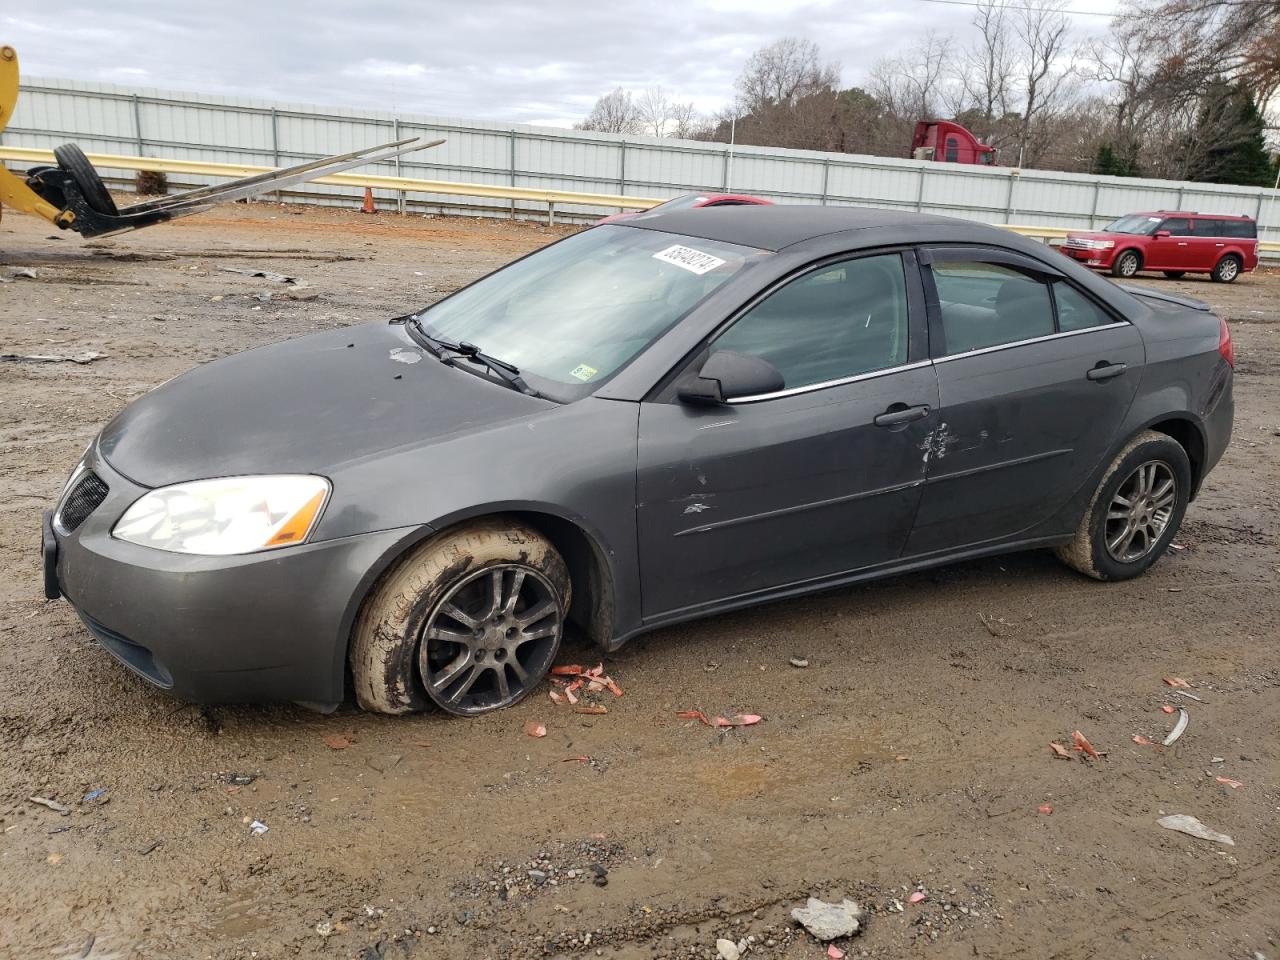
(899, 414)
(1105, 371)
(1182, 243)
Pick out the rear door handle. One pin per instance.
(1105, 371)
(900, 414)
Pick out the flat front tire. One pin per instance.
(1135, 512)
(469, 621)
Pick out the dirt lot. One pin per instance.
(911, 753)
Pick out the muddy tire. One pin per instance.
(1135, 512)
(469, 621)
(1126, 264)
(1227, 269)
(72, 159)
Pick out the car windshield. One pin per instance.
(575, 312)
(1134, 223)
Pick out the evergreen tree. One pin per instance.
(1109, 164)
(1228, 145)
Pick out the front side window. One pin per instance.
(1177, 226)
(989, 304)
(835, 322)
(953, 149)
(575, 312)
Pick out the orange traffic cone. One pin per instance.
(368, 201)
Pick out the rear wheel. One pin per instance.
(1126, 264)
(1135, 512)
(1226, 269)
(470, 621)
(1175, 274)
(72, 159)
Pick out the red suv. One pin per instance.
(1170, 241)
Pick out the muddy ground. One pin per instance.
(910, 754)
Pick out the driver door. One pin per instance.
(817, 479)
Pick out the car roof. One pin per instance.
(1191, 213)
(777, 226)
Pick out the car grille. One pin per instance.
(81, 500)
(1077, 243)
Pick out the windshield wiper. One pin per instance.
(449, 352)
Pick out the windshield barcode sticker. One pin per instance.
(687, 258)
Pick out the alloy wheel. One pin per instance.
(1128, 265)
(1228, 269)
(490, 639)
(1140, 511)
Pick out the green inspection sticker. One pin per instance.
(583, 372)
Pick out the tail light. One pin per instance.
(1224, 344)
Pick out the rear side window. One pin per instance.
(838, 321)
(989, 304)
(1244, 229)
(1075, 310)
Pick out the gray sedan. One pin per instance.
(641, 424)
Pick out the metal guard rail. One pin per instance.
(1269, 249)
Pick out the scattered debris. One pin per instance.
(835, 953)
(1192, 827)
(592, 679)
(594, 710)
(1177, 683)
(1142, 741)
(827, 921)
(739, 720)
(1228, 782)
(1083, 745)
(81, 358)
(576, 760)
(265, 274)
(53, 805)
(19, 273)
(727, 949)
(1046, 808)
(87, 948)
(149, 847)
(403, 355)
(1178, 728)
(1177, 547)
(990, 623)
(337, 741)
(535, 729)
(241, 779)
(93, 795)
(693, 715)
(918, 897)
(1059, 750)
(799, 662)
(258, 828)
(1189, 696)
(384, 762)
(325, 929)
(1169, 708)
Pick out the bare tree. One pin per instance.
(615, 112)
(987, 69)
(782, 73)
(911, 85)
(654, 111)
(1043, 36)
(686, 122)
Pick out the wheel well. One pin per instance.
(592, 606)
(1188, 437)
(1135, 251)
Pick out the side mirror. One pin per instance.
(1162, 233)
(727, 375)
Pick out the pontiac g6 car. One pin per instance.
(643, 423)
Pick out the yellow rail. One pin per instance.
(361, 180)
(410, 185)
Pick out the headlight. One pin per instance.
(1103, 244)
(226, 516)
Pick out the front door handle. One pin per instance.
(1105, 371)
(899, 414)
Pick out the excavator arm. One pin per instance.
(72, 196)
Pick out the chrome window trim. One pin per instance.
(810, 387)
(1022, 343)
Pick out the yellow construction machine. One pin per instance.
(72, 196)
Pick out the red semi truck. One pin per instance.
(946, 142)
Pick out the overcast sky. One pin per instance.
(543, 62)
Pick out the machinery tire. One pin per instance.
(72, 159)
(400, 642)
(1088, 551)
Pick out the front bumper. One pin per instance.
(269, 626)
(1090, 258)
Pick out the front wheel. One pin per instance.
(470, 621)
(1227, 269)
(1135, 512)
(1126, 264)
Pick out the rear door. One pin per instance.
(1034, 378)
(819, 478)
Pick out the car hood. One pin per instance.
(303, 406)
